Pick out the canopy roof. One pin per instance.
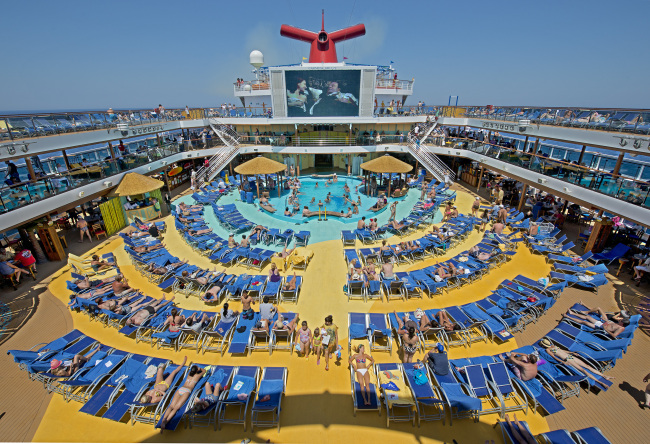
(260, 165)
(134, 183)
(386, 164)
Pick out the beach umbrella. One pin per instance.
(134, 183)
(260, 165)
(386, 164)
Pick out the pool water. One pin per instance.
(317, 190)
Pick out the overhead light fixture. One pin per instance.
(82, 193)
(164, 162)
(24, 149)
(566, 190)
(108, 183)
(540, 180)
(149, 168)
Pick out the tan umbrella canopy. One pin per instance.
(134, 183)
(386, 164)
(260, 165)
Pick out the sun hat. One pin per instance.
(545, 343)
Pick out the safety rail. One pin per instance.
(430, 161)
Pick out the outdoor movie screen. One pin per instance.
(323, 93)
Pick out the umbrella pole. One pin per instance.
(389, 181)
(257, 182)
(279, 184)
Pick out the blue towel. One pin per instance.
(273, 388)
(459, 399)
(384, 331)
(357, 331)
(247, 385)
(374, 286)
(135, 380)
(390, 386)
(166, 336)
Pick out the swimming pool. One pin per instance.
(330, 195)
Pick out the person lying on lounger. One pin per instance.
(359, 362)
(120, 286)
(86, 283)
(182, 394)
(443, 271)
(476, 253)
(290, 285)
(519, 432)
(445, 322)
(573, 360)
(69, 367)
(523, 366)
(611, 327)
(115, 305)
(166, 269)
(193, 208)
(285, 253)
(259, 230)
(99, 265)
(160, 387)
(370, 270)
(198, 232)
(211, 397)
(142, 313)
(145, 249)
(396, 225)
(621, 317)
(425, 323)
(282, 324)
(197, 325)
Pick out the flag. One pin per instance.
(345, 58)
(391, 62)
(304, 58)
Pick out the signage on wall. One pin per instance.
(146, 130)
(499, 126)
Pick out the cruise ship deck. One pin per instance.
(513, 221)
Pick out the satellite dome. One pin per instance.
(256, 58)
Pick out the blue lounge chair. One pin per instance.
(273, 383)
(241, 336)
(291, 295)
(348, 237)
(610, 256)
(395, 411)
(203, 418)
(591, 435)
(429, 404)
(217, 338)
(357, 396)
(245, 381)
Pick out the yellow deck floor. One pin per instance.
(318, 404)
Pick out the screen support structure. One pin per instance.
(323, 44)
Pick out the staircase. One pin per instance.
(216, 163)
(430, 161)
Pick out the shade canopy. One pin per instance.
(134, 183)
(260, 165)
(386, 164)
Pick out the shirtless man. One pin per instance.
(157, 392)
(523, 366)
(211, 397)
(120, 286)
(142, 313)
(387, 269)
(497, 228)
(502, 215)
(86, 283)
(442, 271)
(361, 224)
(166, 269)
(125, 305)
(244, 242)
(212, 293)
(608, 326)
(83, 229)
(69, 367)
(285, 253)
(246, 302)
(199, 232)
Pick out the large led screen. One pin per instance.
(323, 93)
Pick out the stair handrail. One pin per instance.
(429, 160)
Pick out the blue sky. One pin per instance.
(120, 54)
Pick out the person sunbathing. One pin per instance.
(282, 324)
(442, 271)
(285, 253)
(519, 432)
(162, 384)
(148, 249)
(244, 242)
(258, 229)
(193, 208)
(573, 360)
(119, 286)
(69, 367)
(99, 265)
(610, 327)
(174, 320)
(404, 323)
(290, 285)
(166, 269)
(200, 232)
(476, 253)
(212, 294)
(361, 371)
(373, 225)
(86, 283)
(209, 399)
(445, 322)
(523, 366)
(114, 305)
(195, 324)
(143, 312)
(396, 225)
(621, 317)
(387, 269)
(370, 271)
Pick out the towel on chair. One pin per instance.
(357, 331)
(273, 388)
(240, 384)
(399, 394)
(166, 336)
(457, 398)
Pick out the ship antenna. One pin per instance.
(322, 28)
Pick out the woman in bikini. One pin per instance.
(290, 285)
(361, 371)
(175, 321)
(317, 344)
(157, 392)
(571, 359)
(409, 345)
(181, 395)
